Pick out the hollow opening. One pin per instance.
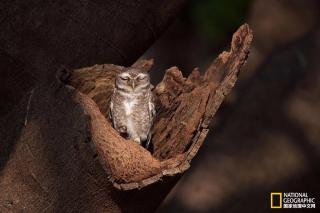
(171, 94)
(185, 106)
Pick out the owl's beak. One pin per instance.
(132, 85)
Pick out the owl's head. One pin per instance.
(132, 80)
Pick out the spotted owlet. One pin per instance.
(132, 108)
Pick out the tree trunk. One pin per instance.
(37, 37)
(68, 158)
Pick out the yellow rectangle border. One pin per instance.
(271, 200)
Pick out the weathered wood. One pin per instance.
(185, 108)
(68, 158)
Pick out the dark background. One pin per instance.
(266, 136)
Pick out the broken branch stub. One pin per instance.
(185, 108)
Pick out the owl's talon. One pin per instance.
(137, 140)
(123, 130)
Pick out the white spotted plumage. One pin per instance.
(132, 108)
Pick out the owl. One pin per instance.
(132, 105)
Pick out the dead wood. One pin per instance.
(185, 107)
(68, 158)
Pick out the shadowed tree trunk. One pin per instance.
(68, 158)
(37, 37)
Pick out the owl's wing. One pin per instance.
(110, 110)
(152, 114)
(152, 110)
(151, 87)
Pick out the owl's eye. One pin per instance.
(141, 77)
(124, 78)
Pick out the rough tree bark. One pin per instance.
(68, 158)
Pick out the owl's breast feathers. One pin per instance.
(135, 112)
(131, 103)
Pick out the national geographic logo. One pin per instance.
(276, 200)
(287, 200)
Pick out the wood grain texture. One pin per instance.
(185, 107)
(68, 158)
